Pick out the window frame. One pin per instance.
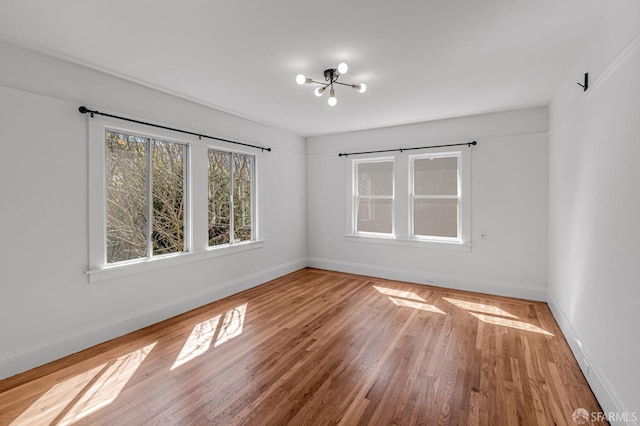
(149, 147)
(403, 204)
(195, 220)
(98, 200)
(413, 197)
(355, 197)
(254, 199)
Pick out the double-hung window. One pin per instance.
(145, 196)
(418, 200)
(156, 201)
(373, 196)
(231, 197)
(434, 196)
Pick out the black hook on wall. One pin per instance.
(585, 86)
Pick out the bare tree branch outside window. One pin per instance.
(130, 207)
(230, 195)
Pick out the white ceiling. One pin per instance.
(421, 59)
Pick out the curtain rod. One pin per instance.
(405, 149)
(85, 110)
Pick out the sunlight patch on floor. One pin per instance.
(399, 293)
(510, 323)
(232, 324)
(415, 305)
(479, 307)
(108, 386)
(407, 299)
(85, 393)
(50, 405)
(212, 330)
(198, 342)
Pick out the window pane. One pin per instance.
(168, 166)
(435, 218)
(375, 178)
(374, 215)
(242, 184)
(126, 197)
(219, 193)
(435, 176)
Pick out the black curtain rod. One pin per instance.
(405, 149)
(85, 110)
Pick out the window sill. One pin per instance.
(147, 265)
(407, 242)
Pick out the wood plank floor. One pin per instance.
(314, 348)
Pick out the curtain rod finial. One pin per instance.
(83, 110)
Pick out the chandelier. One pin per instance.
(331, 77)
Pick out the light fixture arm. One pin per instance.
(343, 84)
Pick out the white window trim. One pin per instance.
(410, 242)
(402, 203)
(463, 211)
(354, 198)
(196, 212)
(254, 197)
(125, 269)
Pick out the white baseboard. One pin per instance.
(44, 351)
(460, 282)
(600, 385)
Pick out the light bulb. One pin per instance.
(319, 91)
(343, 68)
(360, 87)
(332, 99)
(301, 79)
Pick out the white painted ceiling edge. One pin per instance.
(421, 60)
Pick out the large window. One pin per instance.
(145, 197)
(412, 200)
(373, 198)
(435, 196)
(159, 199)
(231, 197)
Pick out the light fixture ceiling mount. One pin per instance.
(331, 76)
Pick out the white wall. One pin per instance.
(47, 307)
(594, 211)
(509, 203)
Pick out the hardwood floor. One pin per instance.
(318, 347)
